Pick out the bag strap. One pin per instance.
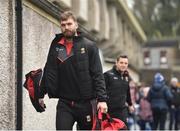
(100, 115)
(94, 112)
(106, 115)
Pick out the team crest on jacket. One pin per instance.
(88, 118)
(82, 50)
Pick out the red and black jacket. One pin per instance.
(82, 67)
(32, 84)
(118, 90)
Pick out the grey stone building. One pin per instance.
(161, 56)
(109, 22)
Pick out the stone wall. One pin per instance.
(38, 31)
(7, 66)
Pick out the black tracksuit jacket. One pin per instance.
(118, 90)
(77, 76)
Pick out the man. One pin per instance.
(73, 73)
(117, 85)
(159, 96)
(175, 105)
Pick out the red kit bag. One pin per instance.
(105, 122)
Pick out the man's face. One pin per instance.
(69, 27)
(122, 64)
(174, 83)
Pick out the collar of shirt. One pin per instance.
(67, 44)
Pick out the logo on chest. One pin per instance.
(115, 78)
(82, 50)
(62, 54)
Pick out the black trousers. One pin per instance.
(174, 118)
(159, 117)
(69, 111)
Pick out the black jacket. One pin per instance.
(176, 96)
(159, 95)
(118, 90)
(77, 76)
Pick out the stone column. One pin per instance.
(80, 7)
(7, 66)
(104, 21)
(93, 23)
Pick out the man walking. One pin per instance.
(159, 96)
(73, 73)
(175, 105)
(117, 85)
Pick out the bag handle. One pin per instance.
(100, 116)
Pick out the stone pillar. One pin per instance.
(114, 32)
(121, 36)
(7, 66)
(104, 21)
(93, 16)
(80, 7)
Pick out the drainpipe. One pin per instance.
(19, 99)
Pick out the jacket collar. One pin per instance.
(116, 71)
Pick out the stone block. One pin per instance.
(80, 8)
(104, 20)
(64, 4)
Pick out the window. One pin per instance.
(147, 60)
(163, 57)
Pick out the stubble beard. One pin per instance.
(69, 36)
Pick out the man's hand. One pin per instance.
(102, 106)
(131, 109)
(41, 102)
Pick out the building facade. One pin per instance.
(161, 56)
(108, 22)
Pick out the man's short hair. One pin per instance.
(66, 15)
(174, 79)
(121, 56)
